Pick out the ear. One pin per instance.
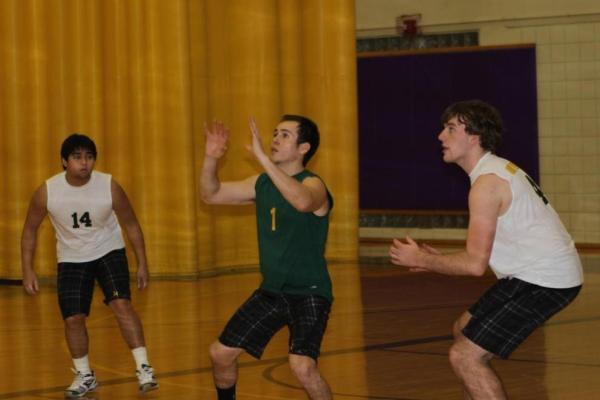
(304, 147)
(64, 162)
(475, 139)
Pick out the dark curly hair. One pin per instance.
(480, 119)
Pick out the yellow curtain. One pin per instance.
(141, 77)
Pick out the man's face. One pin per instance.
(456, 142)
(80, 164)
(284, 143)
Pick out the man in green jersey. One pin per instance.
(292, 214)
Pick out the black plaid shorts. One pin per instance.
(264, 313)
(510, 311)
(76, 282)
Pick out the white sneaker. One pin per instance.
(81, 385)
(146, 378)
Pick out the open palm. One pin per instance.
(216, 139)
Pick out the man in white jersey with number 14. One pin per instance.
(514, 230)
(83, 206)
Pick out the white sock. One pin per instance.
(140, 356)
(82, 365)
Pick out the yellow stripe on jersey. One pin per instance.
(512, 168)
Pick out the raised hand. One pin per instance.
(216, 139)
(256, 148)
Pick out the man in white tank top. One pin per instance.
(514, 230)
(83, 206)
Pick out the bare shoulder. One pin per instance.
(314, 182)
(114, 184)
(115, 187)
(40, 196)
(38, 207)
(490, 191)
(319, 194)
(489, 184)
(119, 198)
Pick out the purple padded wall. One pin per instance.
(401, 99)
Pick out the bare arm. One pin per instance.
(485, 204)
(212, 189)
(35, 215)
(127, 218)
(310, 195)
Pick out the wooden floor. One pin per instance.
(387, 338)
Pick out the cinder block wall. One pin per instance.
(567, 39)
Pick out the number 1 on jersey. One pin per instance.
(273, 219)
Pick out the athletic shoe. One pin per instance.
(81, 385)
(146, 378)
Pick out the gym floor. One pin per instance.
(387, 338)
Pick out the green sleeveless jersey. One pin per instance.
(291, 243)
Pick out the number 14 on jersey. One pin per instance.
(84, 220)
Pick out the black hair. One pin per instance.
(77, 141)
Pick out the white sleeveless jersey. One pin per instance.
(531, 243)
(86, 225)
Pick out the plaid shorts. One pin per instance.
(264, 313)
(510, 311)
(76, 282)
